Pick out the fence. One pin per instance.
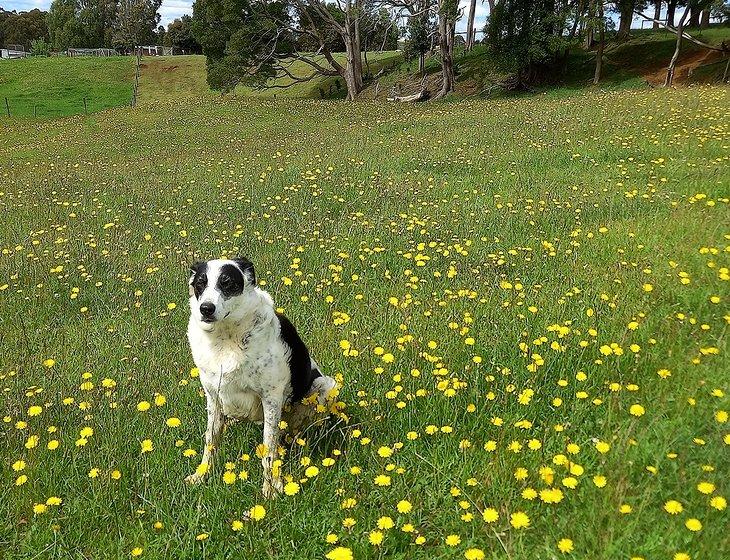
(26, 107)
(91, 52)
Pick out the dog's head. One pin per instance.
(217, 289)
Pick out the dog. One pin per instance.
(253, 364)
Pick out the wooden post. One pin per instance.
(7, 106)
(35, 110)
(133, 102)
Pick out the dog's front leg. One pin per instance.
(212, 440)
(272, 416)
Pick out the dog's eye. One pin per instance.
(225, 281)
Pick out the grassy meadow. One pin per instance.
(526, 302)
(56, 87)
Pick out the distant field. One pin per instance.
(526, 301)
(56, 87)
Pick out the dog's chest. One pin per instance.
(239, 373)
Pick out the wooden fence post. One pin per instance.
(7, 106)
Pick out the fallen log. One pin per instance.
(422, 95)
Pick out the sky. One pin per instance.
(172, 9)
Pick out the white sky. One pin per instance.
(172, 9)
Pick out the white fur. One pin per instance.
(243, 367)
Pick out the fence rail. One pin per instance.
(24, 107)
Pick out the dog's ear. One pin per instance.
(247, 269)
(195, 268)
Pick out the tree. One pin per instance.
(601, 43)
(671, 10)
(448, 13)
(625, 9)
(136, 23)
(64, 28)
(470, 31)
(39, 47)
(24, 27)
(180, 36)
(528, 38)
(81, 23)
(252, 41)
(421, 28)
(657, 13)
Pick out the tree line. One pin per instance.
(252, 41)
(116, 24)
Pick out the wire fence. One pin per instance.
(27, 106)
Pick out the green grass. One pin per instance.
(172, 77)
(56, 87)
(462, 239)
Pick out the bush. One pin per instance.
(39, 47)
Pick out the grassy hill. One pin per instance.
(56, 87)
(635, 63)
(526, 301)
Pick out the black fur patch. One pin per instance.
(300, 365)
(199, 280)
(246, 267)
(230, 281)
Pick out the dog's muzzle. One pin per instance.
(207, 312)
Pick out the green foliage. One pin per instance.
(241, 40)
(528, 37)
(180, 36)
(22, 28)
(40, 47)
(420, 29)
(136, 23)
(81, 24)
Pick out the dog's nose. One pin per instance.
(207, 309)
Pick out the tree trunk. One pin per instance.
(589, 28)
(422, 63)
(705, 18)
(671, 8)
(626, 14)
(673, 62)
(694, 17)
(446, 46)
(353, 68)
(601, 41)
(580, 6)
(470, 31)
(657, 13)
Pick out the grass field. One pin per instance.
(526, 301)
(56, 87)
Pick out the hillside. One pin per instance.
(56, 87)
(636, 63)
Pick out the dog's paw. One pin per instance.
(272, 487)
(194, 479)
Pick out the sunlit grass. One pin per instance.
(526, 301)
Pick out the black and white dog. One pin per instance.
(251, 360)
